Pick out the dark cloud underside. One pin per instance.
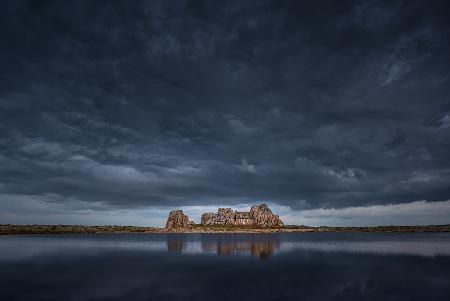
(171, 103)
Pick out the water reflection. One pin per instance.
(265, 246)
(261, 246)
(261, 249)
(175, 245)
(299, 267)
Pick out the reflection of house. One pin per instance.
(261, 249)
(244, 219)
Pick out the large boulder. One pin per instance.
(225, 216)
(177, 219)
(264, 217)
(209, 219)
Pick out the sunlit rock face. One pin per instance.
(264, 217)
(260, 216)
(177, 219)
(209, 219)
(225, 216)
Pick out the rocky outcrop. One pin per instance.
(209, 219)
(177, 219)
(263, 217)
(260, 216)
(225, 216)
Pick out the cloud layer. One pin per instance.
(190, 103)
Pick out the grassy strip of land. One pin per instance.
(293, 229)
(410, 229)
(73, 229)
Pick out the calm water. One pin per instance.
(316, 266)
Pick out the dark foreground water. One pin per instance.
(316, 266)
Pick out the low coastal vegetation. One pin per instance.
(195, 228)
(71, 229)
(298, 229)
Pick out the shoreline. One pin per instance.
(79, 229)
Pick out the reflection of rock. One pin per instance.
(175, 245)
(260, 216)
(177, 219)
(209, 245)
(261, 249)
(264, 249)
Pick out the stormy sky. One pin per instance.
(332, 112)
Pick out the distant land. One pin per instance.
(259, 219)
(80, 229)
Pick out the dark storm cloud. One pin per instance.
(170, 103)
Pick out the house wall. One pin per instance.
(244, 221)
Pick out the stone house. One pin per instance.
(244, 219)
